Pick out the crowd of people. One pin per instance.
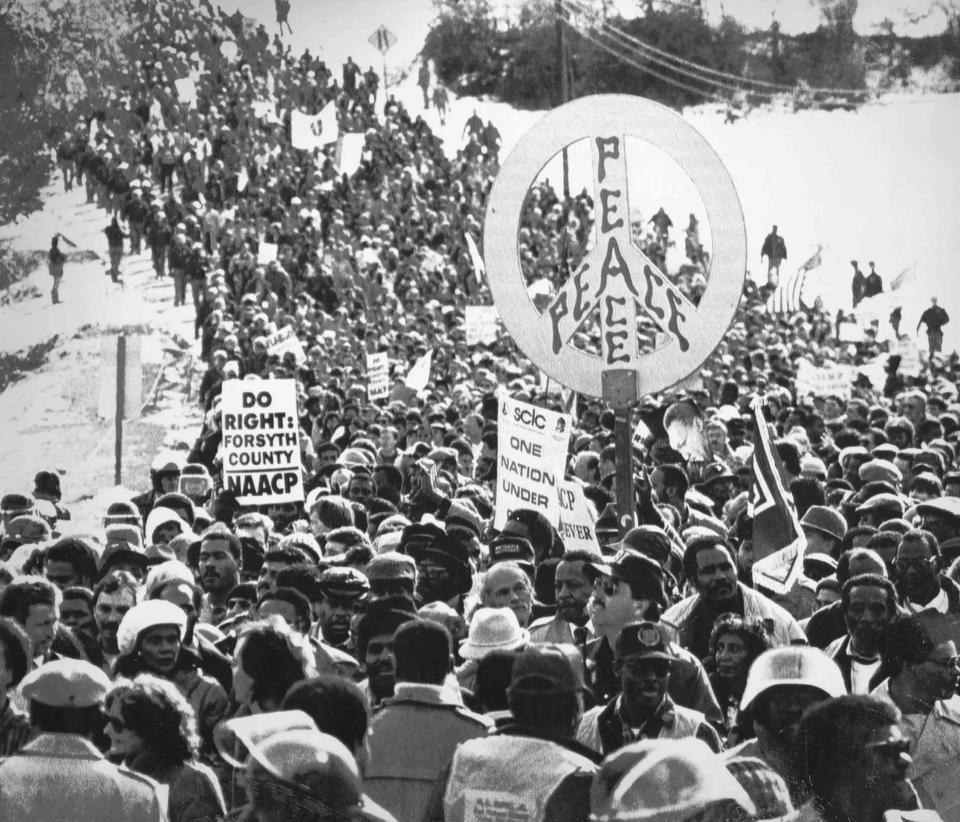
(379, 651)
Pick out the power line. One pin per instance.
(572, 6)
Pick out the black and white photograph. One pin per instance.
(479, 410)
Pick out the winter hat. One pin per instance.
(493, 629)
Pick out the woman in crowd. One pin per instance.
(153, 730)
(150, 639)
(734, 643)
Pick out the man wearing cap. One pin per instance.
(718, 484)
(572, 590)
(709, 565)
(643, 709)
(781, 684)
(533, 766)
(824, 529)
(342, 589)
(920, 581)
(941, 517)
(629, 589)
(392, 574)
(412, 736)
(443, 564)
(920, 654)
(47, 487)
(61, 775)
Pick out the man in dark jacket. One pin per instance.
(775, 250)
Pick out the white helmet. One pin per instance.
(792, 665)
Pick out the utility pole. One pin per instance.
(564, 86)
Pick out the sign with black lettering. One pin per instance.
(615, 276)
(261, 441)
(531, 459)
(577, 524)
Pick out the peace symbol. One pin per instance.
(615, 275)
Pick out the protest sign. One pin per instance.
(849, 332)
(480, 323)
(419, 374)
(186, 90)
(350, 152)
(263, 108)
(261, 441)
(378, 375)
(578, 519)
(823, 382)
(285, 341)
(266, 252)
(910, 363)
(532, 444)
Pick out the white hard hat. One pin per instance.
(792, 665)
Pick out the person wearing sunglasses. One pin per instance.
(853, 757)
(643, 709)
(153, 731)
(921, 657)
(919, 581)
(628, 588)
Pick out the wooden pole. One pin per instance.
(121, 401)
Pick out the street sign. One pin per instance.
(616, 276)
(382, 39)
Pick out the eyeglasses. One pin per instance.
(946, 664)
(432, 572)
(893, 748)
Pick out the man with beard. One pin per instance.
(219, 562)
(626, 590)
(443, 564)
(921, 584)
(341, 589)
(375, 645)
(709, 565)
(781, 685)
(853, 755)
(921, 656)
(573, 588)
(643, 709)
(869, 604)
(114, 595)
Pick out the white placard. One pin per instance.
(578, 519)
(824, 382)
(480, 324)
(266, 252)
(350, 152)
(261, 441)
(532, 445)
(285, 341)
(419, 374)
(186, 90)
(850, 332)
(378, 375)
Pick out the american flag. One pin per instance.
(787, 297)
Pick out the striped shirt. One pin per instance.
(15, 730)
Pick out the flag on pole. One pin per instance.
(787, 297)
(778, 540)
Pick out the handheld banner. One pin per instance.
(285, 341)
(824, 382)
(532, 446)
(578, 519)
(266, 252)
(480, 324)
(378, 376)
(261, 441)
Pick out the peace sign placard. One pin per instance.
(615, 276)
